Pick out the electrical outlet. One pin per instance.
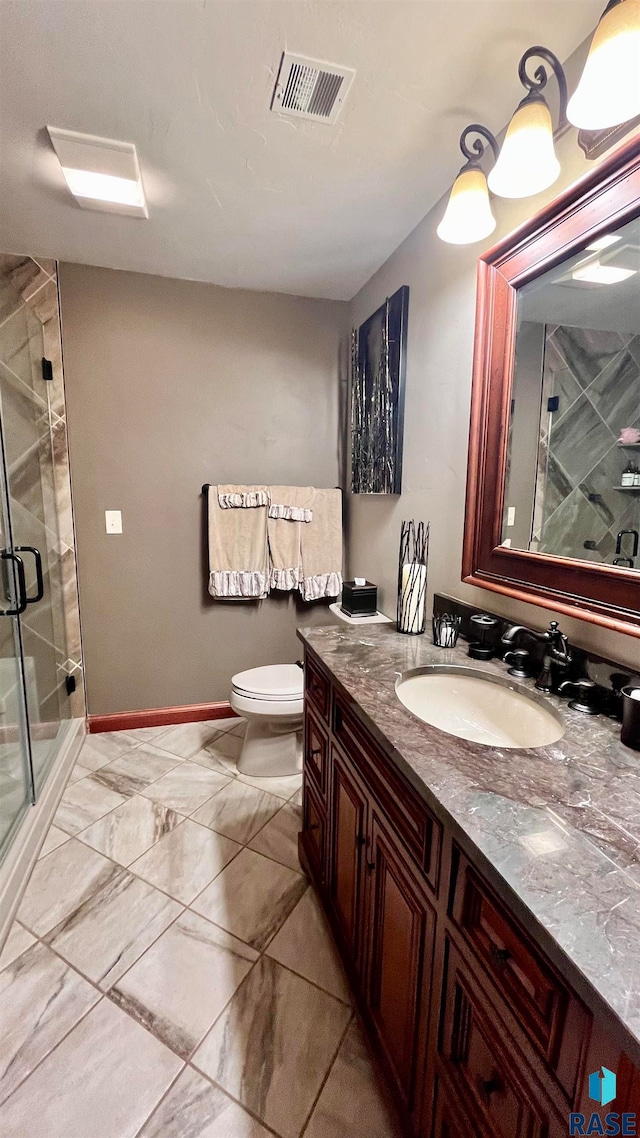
(113, 521)
(511, 516)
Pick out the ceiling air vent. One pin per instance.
(308, 89)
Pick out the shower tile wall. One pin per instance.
(34, 415)
(596, 377)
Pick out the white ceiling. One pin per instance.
(237, 195)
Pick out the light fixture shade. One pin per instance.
(468, 215)
(527, 162)
(609, 90)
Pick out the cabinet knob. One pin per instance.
(489, 1087)
(314, 826)
(500, 956)
(314, 752)
(360, 840)
(371, 865)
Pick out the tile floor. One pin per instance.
(170, 973)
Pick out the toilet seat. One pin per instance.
(275, 683)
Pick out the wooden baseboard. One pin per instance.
(160, 717)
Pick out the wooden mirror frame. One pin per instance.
(608, 196)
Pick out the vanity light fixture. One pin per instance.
(102, 173)
(609, 90)
(468, 215)
(527, 163)
(595, 273)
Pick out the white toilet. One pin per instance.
(271, 700)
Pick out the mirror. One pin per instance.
(553, 498)
(573, 454)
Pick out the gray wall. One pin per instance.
(442, 280)
(171, 384)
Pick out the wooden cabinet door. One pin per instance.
(449, 1121)
(349, 817)
(483, 1063)
(401, 932)
(314, 833)
(316, 753)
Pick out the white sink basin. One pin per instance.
(479, 707)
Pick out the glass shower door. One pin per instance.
(30, 434)
(16, 780)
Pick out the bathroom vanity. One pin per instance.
(485, 901)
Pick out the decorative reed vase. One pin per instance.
(412, 577)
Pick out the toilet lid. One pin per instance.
(275, 681)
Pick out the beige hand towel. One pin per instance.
(234, 497)
(238, 558)
(289, 512)
(321, 546)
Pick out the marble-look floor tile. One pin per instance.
(304, 944)
(220, 753)
(41, 998)
(149, 734)
(102, 1081)
(186, 787)
(105, 935)
(238, 811)
(132, 772)
(272, 1046)
(77, 773)
(83, 804)
(131, 829)
(354, 1100)
(252, 897)
(194, 1108)
(187, 738)
(54, 838)
(296, 799)
(100, 749)
(182, 983)
(284, 786)
(186, 860)
(238, 725)
(279, 838)
(17, 942)
(61, 883)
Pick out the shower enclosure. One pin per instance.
(41, 682)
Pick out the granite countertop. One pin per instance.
(559, 824)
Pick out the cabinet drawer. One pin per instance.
(316, 687)
(411, 819)
(483, 1063)
(314, 832)
(316, 751)
(521, 976)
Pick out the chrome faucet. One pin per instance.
(557, 659)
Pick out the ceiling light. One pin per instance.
(468, 215)
(603, 242)
(527, 163)
(595, 273)
(609, 90)
(102, 173)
